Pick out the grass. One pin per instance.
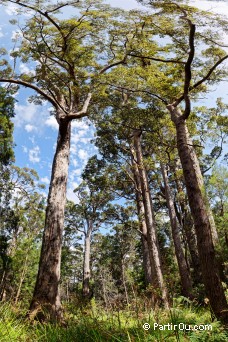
(96, 325)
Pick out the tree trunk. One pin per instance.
(150, 222)
(146, 254)
(182, 265)
(86, 263)
(46, 297)
(189, 232)
(198, 205)
(22, 277)
(147, 262)
(187, 224)
(124, 280)
(2, 285)
(104, 291)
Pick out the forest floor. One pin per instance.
(181, 323)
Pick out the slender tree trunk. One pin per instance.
(46, 297)
(198, 205)
(187, 224)
(124, 280)
(22, 277)
(147, 262)
(2, 285)
(185, 277)
(189, 231)
(150, 222)
(146, 255)
(86, 263)
(104, 291)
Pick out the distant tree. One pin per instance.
(92, 210)
(21, 233)
(6, 149)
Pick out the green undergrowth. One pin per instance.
(95, 324)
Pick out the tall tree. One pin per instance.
(25, 210)
(182, 264)
(70, 57)
(116, 140)
(180, 79)
(92, 210)
(6, 148)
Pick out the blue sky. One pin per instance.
(36, 130)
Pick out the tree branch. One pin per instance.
(31, 86)
(157, 59)
(83, 112)
(197, 84)
(188, 70)
(44, 14)
(123, 61)
(120, 88)
(205, 78)
(63, 5)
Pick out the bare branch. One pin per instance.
(120, 88)
(44, 14)
(109, 66)
(212, 41)
(204, 79)
(157, 59)
(63, 5)
(31, 86)
(82, 112)
(188, 68)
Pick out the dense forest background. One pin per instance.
(141, 242)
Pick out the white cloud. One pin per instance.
(77, 172)
(126, 4)
(220, 7)
(74, 162)
(83, 154)
(25, 113)
(73, 149)
(24, 149)
(80, 124)
(1, 34)
(24, 69)
(32, 139)
(54, 146)
(16, 34)
(45, 180)
(71, 196)
(30, 128)
(51, 122)
(32, 117)
(85, 140)
(11, 9)
(76, 137)
(34, 154)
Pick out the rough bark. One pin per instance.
(198, 206)
(185, 277)
(146, 254)
(86, 262)
(187, 224)
(46, 297)
(150, 222)
(147, 262)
